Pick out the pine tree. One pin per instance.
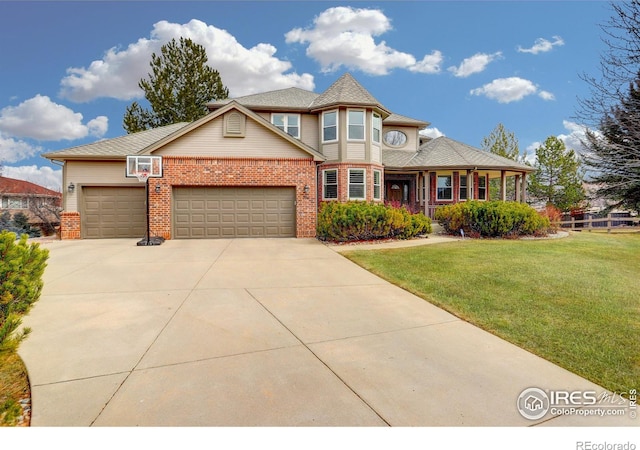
(614, 153)
(503, 143)
(558, 178)
(180, 85)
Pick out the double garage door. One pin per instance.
(229, 212)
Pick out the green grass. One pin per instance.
(573, 301)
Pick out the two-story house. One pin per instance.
(260, 165)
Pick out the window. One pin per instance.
(377, 185)
(463, 186)
(482, 187)
(330, 126)
(395, 138)
(445, 191)
(377, 126)
(356, 184)
(289, 123)
(330, 184)
(15, 202)
(355, 125)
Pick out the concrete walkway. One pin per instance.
(269, 332)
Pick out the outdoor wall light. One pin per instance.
(71, 188)
(306, 188)
(158, 188)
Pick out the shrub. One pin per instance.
(21, 268)
(491, 219)
(357, 221)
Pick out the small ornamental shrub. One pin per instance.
(492, 219)
(359, 221)
(21, 268)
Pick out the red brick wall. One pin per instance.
(202, 171)
(70, 225)
(343, 179)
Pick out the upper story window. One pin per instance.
(395, 138)
(289, 123)
(355, 125)
(376, 128)
(330, 126)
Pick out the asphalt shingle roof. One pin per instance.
(444, 152)
(346, 90)
(291, 98)
(121, 146)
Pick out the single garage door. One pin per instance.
(207, 212)
(113, 212)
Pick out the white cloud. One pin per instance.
(474, 64)
(12, 151)
(243, 70)
(40, 118)
(428, 64)
(575, 136)
(42, 176)
(431, 132)
(542, 45)
(545, 95)
(506, 90)
(344, 36)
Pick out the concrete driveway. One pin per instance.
(261, 332)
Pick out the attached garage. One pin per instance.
(232, 212)
(113, 212)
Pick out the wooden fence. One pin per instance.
(609, 223)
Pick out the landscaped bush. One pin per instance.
(358, 221)
(21, 269)
(492, 219)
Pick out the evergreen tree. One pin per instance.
(614, 152)
(503, 143)
(180, 85)
(558, 178)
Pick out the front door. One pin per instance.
(398, 192)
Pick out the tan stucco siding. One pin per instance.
(93, 173)
(356, 151)
(208, 140)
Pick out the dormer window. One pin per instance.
(355, 125)
(289, 123)
(330, 126)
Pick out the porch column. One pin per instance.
(470, 189)
(503, 186)
(427, 191)
(518, 199)
(524, 187)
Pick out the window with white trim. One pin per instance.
(376, 128)
(444, 187)
(15, 202)
(377, 185)
(357, 185)
(463, 187)
(330, 184)
(289, 123)
(355, 125)
(330, 126)
(482, 187)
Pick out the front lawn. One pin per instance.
(573, 301)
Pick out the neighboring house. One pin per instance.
(38, 203)
(261, 164)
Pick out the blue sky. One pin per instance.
(69, 69)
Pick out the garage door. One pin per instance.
(205, 212)
(113, 212)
